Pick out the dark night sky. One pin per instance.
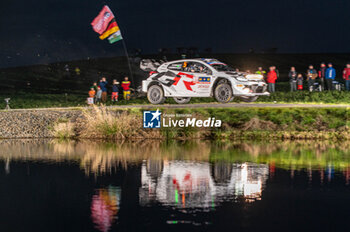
(43, 31)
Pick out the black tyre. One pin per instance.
(182, 100)
(223, 93)
(249, 99)
(155, 94)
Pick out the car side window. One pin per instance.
(195, 67)
(176, 66)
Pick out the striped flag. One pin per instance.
(111, 29)
(106, 25)
(115, 37)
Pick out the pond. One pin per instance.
(170, 186)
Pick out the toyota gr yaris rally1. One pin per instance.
(184, 79)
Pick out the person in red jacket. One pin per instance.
(126, 88)
(271, 79)
(346, 76)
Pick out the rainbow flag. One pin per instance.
(106, 25)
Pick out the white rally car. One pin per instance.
(184, 79)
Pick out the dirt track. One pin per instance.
(233, 105)
(203, 105)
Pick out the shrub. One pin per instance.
(105, 124)
(63, 130)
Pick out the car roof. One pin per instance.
(209, 61)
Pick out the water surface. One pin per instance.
(158, 186)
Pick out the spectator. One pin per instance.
(115, 91)
(77, 71)
(271, 79)
(261, 71)
(94, 86)
(98, 95)
(311, 77)
(92, 93)
(277, 71)
(103, 86)
(293, 79)
(346, 76)
(126, 88)
(321, 75)
(300, 80)
(330, 76)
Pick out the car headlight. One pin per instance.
(243, 79)
(254, 77)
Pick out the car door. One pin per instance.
(192, 81)
(203, 81)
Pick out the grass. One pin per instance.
(63, 130)
(237, 123)
(267, 123)
(108, 124)
(23, 100)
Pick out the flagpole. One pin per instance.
(124, 45)
(129, 65)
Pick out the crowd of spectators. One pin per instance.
(321, 79)
(99, 91)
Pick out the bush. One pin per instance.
(63, 130)
(101, 123)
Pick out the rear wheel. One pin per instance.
(155, 94)
(182, 100)
(223, 93)
(249, 99)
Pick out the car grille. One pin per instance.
(258, 89)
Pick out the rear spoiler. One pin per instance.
(149, 65)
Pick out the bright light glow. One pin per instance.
(254, 77)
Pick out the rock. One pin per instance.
(32, 124)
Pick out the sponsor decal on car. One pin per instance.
(204, 80)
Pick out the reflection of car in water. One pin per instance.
(184, 79)
(188, 184)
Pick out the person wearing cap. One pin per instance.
(115, 91)
(346, 76)
(321, 74)
(330, 76)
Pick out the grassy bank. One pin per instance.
(237, 123)
(272, 123)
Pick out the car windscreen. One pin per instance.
(221, 67)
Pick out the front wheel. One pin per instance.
(223, 93)
(249, 99)
(155, 94)
(182, 100)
